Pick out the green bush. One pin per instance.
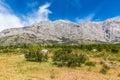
(90, 63)
(65, 57)
(104, 69)
(36, 56)
(114, 50)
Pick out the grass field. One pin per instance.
(15, 67)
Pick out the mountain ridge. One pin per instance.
(63, 32)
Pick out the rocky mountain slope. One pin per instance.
(64, 32)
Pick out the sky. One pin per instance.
(19, 13)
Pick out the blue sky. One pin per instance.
(18, 13)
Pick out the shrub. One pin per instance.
(118, 74)
(101, 62)
(114, 50)
(36, 56)
(90, 63)
(104, 69)
(65, 57)
(52, 75)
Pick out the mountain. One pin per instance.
(63, 32)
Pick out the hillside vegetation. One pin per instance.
(59, 62)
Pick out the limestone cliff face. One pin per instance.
(60, 31)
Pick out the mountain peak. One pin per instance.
(62, 31)
(116, 19)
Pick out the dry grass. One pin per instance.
(15, 67)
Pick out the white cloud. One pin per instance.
(40, 15)
(9, 20)
(85, 19)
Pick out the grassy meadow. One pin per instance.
(84, 62)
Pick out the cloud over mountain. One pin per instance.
(40, 15)
(7, 18)
(10, 20)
